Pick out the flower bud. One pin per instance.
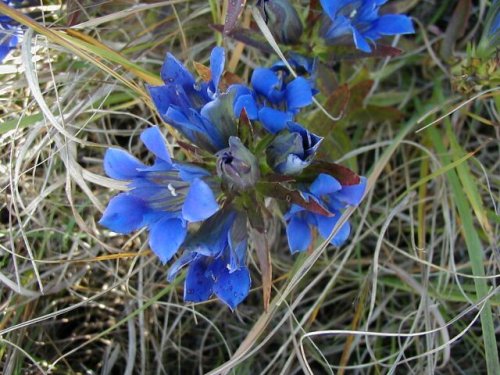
(283, 20)
(237, 166)
(292, 150)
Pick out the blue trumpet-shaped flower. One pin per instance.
(292, 150)
(334, 197)
(163, 197)
(200, 111)
(361, 20)
(10, 31)
(281, 98)
(216, 260)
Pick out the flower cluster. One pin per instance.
(249, 148)
(10, 31)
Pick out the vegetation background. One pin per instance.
(413, 291)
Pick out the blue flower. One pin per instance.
(163, 197)
(202, 112)
(10, 31)
(292, 150)
(360, 19)
(327, 191)
(281, 99)
(216, 260)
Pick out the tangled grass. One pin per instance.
(414, 290)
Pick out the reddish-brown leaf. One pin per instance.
(281, 192)
(234, 11)
(341, 173)
(247, 36)
(202, 71)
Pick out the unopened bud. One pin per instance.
(292, 150)
(237, 166)
(283, 20)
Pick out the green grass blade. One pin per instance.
(475, 251)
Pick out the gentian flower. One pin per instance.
(361, 20)
(202, 112)
(281, 99)
(10, 31)
(292, 150)
(216, 260)
(327, 191)
(163, 197)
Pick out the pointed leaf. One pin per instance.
(345, 175)
(234, 11)
(278, 191)
(247, 36)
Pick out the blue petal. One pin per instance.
(352, 194)
(273, 120)
(153, 139)
(248, 103)
(299, 234)
(189, 172)
(161, 98)
(342, 235)
(330, 7)
(326, 225)
(394, 24)
(185, 258)
(266, 82)
(298, 93)
(124, 214)
(120, 165)
(146, 190)
(200, 202)
(324, 184)
(211, 239)
(217, 58)
(4, 50)
(191, 127)
(166, 236)
(294, 209)
(199, 281)
(342, 26)
(174, 72)
(230, 287)
(360, 41)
